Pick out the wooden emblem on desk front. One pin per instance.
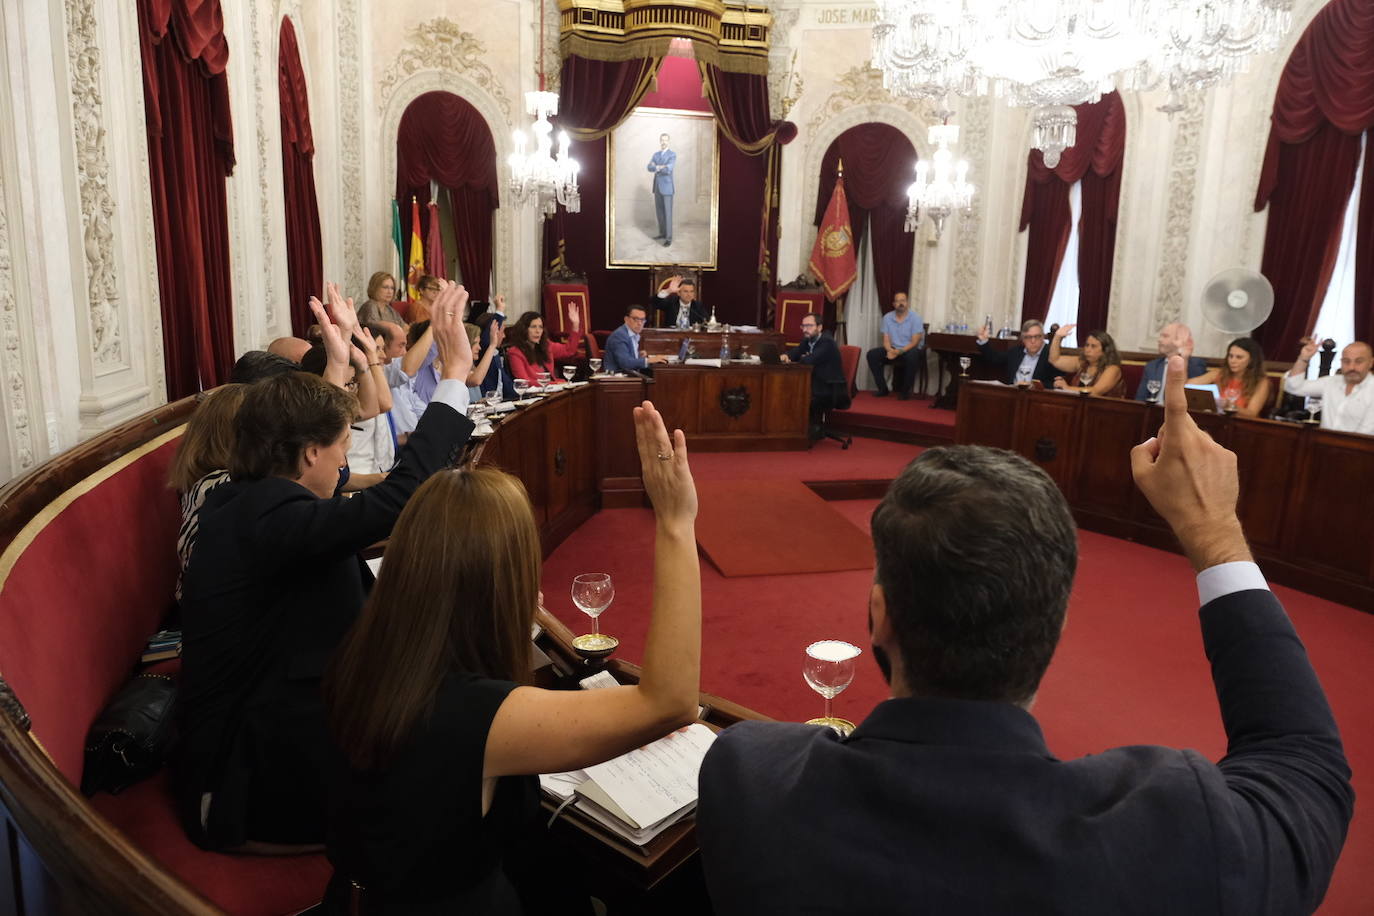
(735, 402)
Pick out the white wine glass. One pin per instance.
(569, 372)
(964, 363)
(595, 365)
(1314, 407)
(522, 387)
(1152, 386)
(829, 668)
(593, 593)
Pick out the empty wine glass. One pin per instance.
(964, 363)
(593, 593)
(569, 372)
(1152, 386)
(492, 397)
(595, 365)
(522, 387)
(829, 669)
(1314, 407)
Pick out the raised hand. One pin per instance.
(1064, 331)
(498, 333)
(446, 322)
(674, 283)
(342, 311)
(366, 342)
(336, 346)
(982, 333)
(663, 462)
(575, 319)
(500, 302)
(1191, 480)
(1310, 346)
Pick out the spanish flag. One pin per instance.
(417, 253)
(832, 258)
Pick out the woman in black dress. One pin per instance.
(439, 739)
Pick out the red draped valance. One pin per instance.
(198, 26)
(1100, 146)
(443, 138)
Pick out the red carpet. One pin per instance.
(866, 459)
(913, 417)
(775, 528)
(1129, 669)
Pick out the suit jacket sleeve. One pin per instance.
(668, 162)
(1282, 818)
(288, 530)
(624, 355)
(993, 355)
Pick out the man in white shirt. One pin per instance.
(1348, 397)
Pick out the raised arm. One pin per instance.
(375, 369)
(550, 731)
(479, 371)
(1058, 360)
(416, 354)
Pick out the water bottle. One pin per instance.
(987, 323)
(724, 347)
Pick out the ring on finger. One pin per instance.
(663, 457)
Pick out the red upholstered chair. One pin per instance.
(1132, 372)
(849, 361)
(793, 306)
(560, 300)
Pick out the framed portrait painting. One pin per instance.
(662, 187)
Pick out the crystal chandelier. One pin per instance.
(1049, 55)
(548, 177)
(940, 189)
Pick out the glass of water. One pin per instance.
(1314, 407)
(569, 372)
(492, 397)
(1152, 386)
(829, 668)
(595, 365)
(593, 593)
(522, 387)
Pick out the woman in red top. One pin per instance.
(1241, 379)
(530, 351)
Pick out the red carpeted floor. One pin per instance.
(915, 416)
(866, 459)
(775, 527)
(1130, 668)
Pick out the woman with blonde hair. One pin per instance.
(202, 461)
(440, 736)
(1096, 368)
(381, 296)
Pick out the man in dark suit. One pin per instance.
(1028, 361)
(661, 164)
(275, 581)
(946, 798)
(819, 351)
(681, 308)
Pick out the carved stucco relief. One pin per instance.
(354, 210)
(1178, 214)
(431, 65)
(269, 291)
(974, 119)
(780, 59)
(93, 171)
(12, 358)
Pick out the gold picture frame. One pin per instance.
(633, 194)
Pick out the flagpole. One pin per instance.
(841, 326)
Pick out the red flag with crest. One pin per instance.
(833, 260)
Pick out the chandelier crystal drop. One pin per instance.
(941, 186)
(547, 177)
(1049, 55)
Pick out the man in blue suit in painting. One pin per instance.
(661, 164)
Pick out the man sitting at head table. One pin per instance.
(1175, 337)
(819, 351)
(1028, 361)
(681, 309)
(623, 352)
(903, 330)
(947, 797)
(1347, 397)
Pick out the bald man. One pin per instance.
(1175, 337)
(293, 348)
(1347, 396)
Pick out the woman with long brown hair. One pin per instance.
(1096, 368)
(529, 349)
(1240, 378)
(440, 737)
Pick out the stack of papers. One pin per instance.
(704, 362)
(638, 795)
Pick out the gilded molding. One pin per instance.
(1178, 216)
(15, 396)
(862, 85)
(440, 45)
(93, 171)
(354, 210)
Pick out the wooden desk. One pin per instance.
(667, 341)
(1305, 502)
(950, 347)
(738, 407)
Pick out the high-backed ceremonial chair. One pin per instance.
(840, 395)
(560, 301)
(794, 305)
(660, 277)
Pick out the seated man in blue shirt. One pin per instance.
(1176, 337)
(903, 331)
(622, 352)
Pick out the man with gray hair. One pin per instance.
(946, 798)
(1175, 337)
(1024, 363)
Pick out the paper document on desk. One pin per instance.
(703, 362)
(656, 781)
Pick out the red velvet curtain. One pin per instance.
(878, 167)
(304, 258)
(1095, 160)
(443, 139)
(1323, 103)
(190, 153)
(594, 96)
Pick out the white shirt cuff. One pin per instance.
(1225, 578)
(452, 392)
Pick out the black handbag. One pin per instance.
(133, 735)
